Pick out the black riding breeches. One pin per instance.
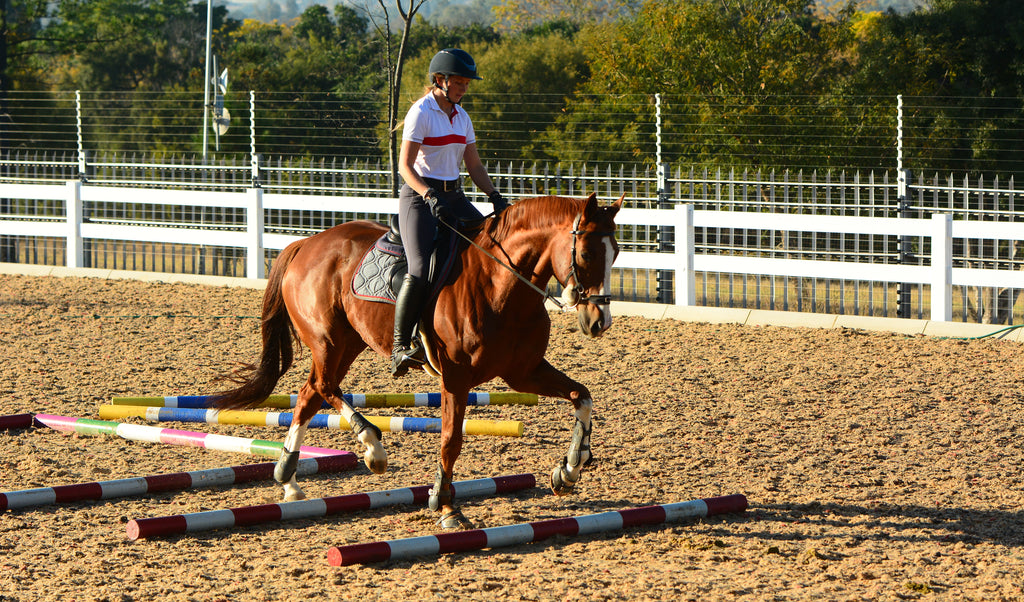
(419, 227)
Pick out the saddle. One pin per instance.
(383, 266)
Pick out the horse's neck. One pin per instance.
(529, 252)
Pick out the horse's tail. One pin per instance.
(256, 383)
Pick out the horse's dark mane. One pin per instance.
(530, 214)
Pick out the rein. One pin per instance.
(579, 293)
(522, 278)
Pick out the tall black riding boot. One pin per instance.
(408, 307)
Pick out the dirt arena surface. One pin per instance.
(877, 466)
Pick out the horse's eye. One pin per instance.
(585, 256)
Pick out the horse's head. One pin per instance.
(588, 274)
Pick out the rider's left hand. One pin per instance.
(498, 202)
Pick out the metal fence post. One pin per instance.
(942, 267)
(665, 234)
(666, 238)
(907, 256)
(254, 158)
(82, 166)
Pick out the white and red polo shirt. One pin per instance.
(442, 140)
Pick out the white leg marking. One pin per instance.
(296, 434)
(292, 491)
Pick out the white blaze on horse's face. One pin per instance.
(606, 285)
(594, 306)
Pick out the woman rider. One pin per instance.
(437, 139)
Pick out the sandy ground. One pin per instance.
(877, 466)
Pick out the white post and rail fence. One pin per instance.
(936, 273)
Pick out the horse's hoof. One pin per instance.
(560, 483)
(455, 520)
(376, 459)
(293, 494)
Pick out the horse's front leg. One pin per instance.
(567, 471)
(547, 380)
(442, 495)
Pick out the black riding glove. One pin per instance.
(498, 202)
(438, 209)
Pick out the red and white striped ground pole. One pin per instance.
(175, 481)
(495, 537)
(314, 508)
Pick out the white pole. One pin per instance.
(81, 147)
(686, 278)
(206, 77)
(252, 140)
(942, 267)
(75, 244)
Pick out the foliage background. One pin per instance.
(769, 84)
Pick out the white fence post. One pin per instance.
(73, 213)
(686, 282)
(254, 260)
(942, 267)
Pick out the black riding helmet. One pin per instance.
(453, 61)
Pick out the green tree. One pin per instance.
(315, 22)
(314, 82)
(960, 67)
(147, 46)
(527, 80)
(126, 44)
(731, 68)
(522, 15)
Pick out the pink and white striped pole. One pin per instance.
(315, 508)
(153, 434)
(175, 481)
(494, 537)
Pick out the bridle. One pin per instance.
(577, 294)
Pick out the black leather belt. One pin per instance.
(444, 185)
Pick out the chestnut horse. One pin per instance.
(488, 321)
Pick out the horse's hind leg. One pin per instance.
(327, 372)
(547, 380)
(375, 457)
(326, 381)
(287, 464)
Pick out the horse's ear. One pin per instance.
(614, 207)
(591, 207)
(612, 210)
